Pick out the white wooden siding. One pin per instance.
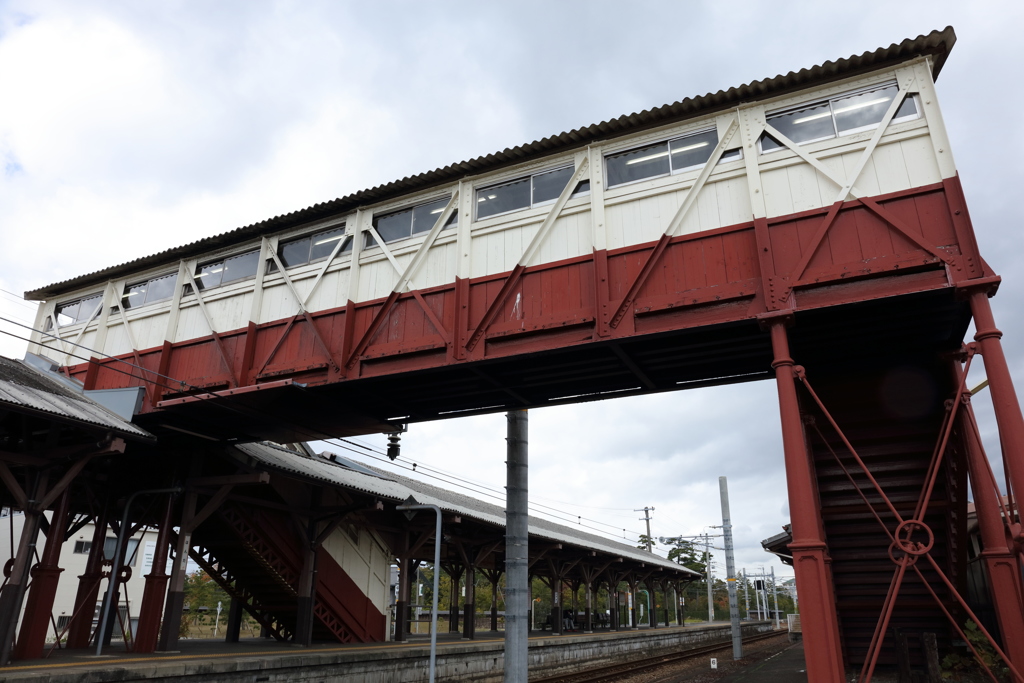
(366, 563)
(910, 154)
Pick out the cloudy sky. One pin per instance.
(127, 128)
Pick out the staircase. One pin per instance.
(255, 557)
(893, 417)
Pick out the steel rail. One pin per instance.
(615, 672)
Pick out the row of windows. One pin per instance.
(841, 115)
(77, 311)
(524, 193)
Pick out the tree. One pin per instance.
(688, 555)
(645, 542)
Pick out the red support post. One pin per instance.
(1000, 560)
(39, 604)
(80, 629)
(156, 586)
(1004, 397)
(811, 562)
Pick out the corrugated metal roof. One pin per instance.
(396, 488)
(937, 44)
(24, 388)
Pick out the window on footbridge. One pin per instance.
(227, 270)
(155, 289)
(78, 311)
(311, 248)
(527, 192)
(844, 114)
(415, 220)
(665, 158)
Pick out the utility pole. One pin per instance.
(647, 518)
(775, 597)
(730, 571)
(707, 574)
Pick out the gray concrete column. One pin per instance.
(517, 563)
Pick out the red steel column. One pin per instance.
(810, 554)
(156, 586)
(88, 587)
(1000, 560)
(39, 604)
(1004, 397)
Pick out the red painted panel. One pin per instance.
(700, 279)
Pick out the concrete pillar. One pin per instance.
(176, 589)
(469, 617)
(13, 594)
(234, 626)
(89, 587)
(156, 585)
(39, 603)
(811, 562)
(517, 562)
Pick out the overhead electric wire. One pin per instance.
(18, 299)
(484, 490)
(501, 494)
(318, 437)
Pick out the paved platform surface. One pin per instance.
(210, 660)
(784, 667)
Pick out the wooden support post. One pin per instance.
(176, 590)
(556, 604)
(453, 605)
(652, 590)
(495, 576)
(39, 603)
(402, 604)
(306, 596)
(469, 607)
(588, 626)
(612, 607)
(634, 623)
(156, 585)
(234, 627)
(680, 612)
(88, 587)
(12, 595)
(811, 561)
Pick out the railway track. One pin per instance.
(616, 672)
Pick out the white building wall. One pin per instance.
(366, 560)
(74, 565)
